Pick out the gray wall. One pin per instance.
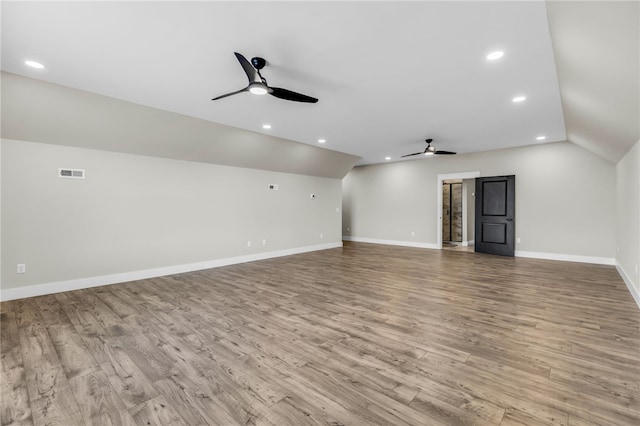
(628, 218)
(565, 198)
(135, 213)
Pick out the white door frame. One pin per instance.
(441, 179)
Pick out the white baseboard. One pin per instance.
(530, 254)
(390, 242)
(627, 280)
(566, 257)
(77, 284)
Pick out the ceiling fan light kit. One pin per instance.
(258, 89)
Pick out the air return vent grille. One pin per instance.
(71, 173)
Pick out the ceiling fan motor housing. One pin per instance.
(258, 63)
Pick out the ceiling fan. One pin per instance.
(258, 84)
(429, 150)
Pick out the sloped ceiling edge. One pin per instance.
(597, 53)
(38, 111)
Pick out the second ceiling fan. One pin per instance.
(429, 150)
(258, 84)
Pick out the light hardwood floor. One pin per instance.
(362, 335)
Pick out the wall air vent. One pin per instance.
(71, 173)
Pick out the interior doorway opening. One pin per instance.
(456, 228)
(452, 223)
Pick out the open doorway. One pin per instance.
(456, 207)
(458, 214)
(452, 223)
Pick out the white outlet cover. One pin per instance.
(248, 243)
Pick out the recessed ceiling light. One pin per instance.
(34, 64)
(519, 98)
(321, 140)
(387, 158)
(541, 138)
(495, 55)
(266, 126)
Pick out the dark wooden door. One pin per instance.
(495, 215)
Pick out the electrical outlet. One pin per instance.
(518, 240)
(636, 269)
(321, 235)
(248, 243)
(264, 242)
(22, 268)
(413, 234)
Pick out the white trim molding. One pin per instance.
(529, 254)
(566, 257)
(390, 242)
(81, 283)
(627, 280)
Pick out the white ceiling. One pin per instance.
(388, 74)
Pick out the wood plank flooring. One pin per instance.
(361, 335)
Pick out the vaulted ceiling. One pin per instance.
(388, 75)
(597, 54)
